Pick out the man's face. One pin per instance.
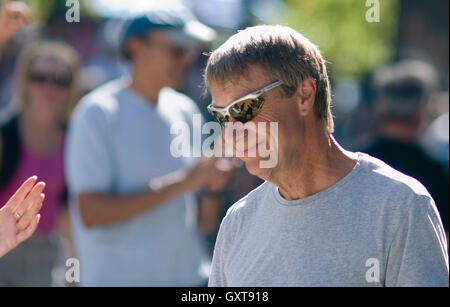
(161, 58)
(274, 110)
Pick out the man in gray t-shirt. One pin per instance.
(325, 216)
(374, 227)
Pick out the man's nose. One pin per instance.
(231, 119)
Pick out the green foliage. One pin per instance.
(44, 9)
(351, 45)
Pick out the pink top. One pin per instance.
(49, 169)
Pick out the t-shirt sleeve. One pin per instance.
(217, 277)
(418, 253)
(88, 154)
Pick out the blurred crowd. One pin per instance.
(49, 70)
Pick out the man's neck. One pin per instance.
(145, 88)
(322, 164)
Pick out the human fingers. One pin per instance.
(33, 197)
(4, 5)
(21, 193)
(30, 213)
(28, 232)
(20, 14)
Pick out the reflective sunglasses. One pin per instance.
(60, 80)
(244, 109)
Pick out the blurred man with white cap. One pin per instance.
(133, 207)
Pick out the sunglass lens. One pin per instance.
(246, 110)
(219, 117)
(37, 78)
(62, 80)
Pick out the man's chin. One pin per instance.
(253, 167)
(174, 85)
(176, 82)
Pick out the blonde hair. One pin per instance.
(54, 50)
(285, 55)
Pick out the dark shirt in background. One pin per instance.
(412, 160)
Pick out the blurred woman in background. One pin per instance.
(32, 143)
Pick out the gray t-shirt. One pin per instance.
(117, 142)
(375, 227)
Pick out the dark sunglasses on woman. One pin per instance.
(62, 80)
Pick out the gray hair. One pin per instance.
(283, 53)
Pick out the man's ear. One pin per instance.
(132, 46)
(305, 95)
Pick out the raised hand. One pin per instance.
(19, 217)
(224, 169)
(13, 16)
(199, 174)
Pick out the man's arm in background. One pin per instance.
(106, 208)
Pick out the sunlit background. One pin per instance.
(353, 47)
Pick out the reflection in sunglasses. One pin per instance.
(243, 109)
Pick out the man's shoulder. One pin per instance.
(171, 98)
(385, 178)
(246, 206)
(100, 101)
